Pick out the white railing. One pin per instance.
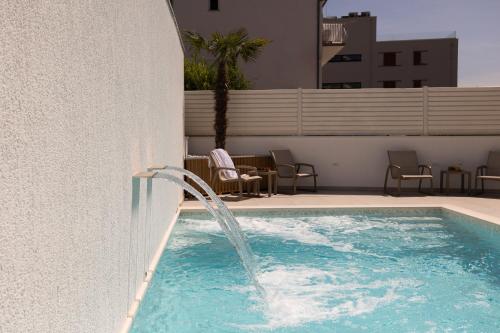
(334, 34)
(419, 111)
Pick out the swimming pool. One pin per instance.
(337, 270)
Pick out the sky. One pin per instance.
(477, 24)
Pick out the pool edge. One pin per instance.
(134, 307)
(454, 208)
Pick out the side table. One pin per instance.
(445, 177)
(272, 181)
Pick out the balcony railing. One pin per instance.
(334, 34)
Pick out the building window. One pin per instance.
(417, 58)
(214, 4)
(346, 58)
(342, 85)
(389, 58)
(417, 84)
(389, 84)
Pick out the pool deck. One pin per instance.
(486, 207)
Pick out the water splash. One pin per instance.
(222, 215)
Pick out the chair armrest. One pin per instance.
(251, 169)
(480, 171)
(298, 165)
(306, 164)
(389, 168)
(218, 170)
(423, 167)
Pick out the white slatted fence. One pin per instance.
(420, 111)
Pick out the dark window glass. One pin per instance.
(214, 4)
(389, 84)
(417, 58)
(342, 85)
(346, 58)
(417, 83)
(390, 59)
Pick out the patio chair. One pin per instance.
(490, 171)
(403, 165)
(225, 171)
(287, 168)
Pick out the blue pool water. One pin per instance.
(383, 270)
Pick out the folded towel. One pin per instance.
(222, 160)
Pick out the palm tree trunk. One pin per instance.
(221, 99)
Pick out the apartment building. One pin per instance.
(409, 61)
(300, 42)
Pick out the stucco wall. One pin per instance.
(91, 92)
(350, 161)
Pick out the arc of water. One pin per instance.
(223, 216)
(231, 222)
(135, 219)
(227, 214)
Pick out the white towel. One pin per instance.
(222, 160)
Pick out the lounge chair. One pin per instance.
(289, 169)
(224, 170)
(490, 171)
(403, 165)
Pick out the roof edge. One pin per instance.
(179, 33)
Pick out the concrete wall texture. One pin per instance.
(350, 161)
(91, 92)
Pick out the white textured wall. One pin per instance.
(91, 92)
(351, 161)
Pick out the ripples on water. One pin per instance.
(330, 271)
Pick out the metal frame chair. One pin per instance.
(287, 168)
(488, 172)
(403, 165)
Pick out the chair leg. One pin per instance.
(295, 186)
(399, 187)
(482, 186)
(420, 185)
(212, 183)
(315, 184)
(468, 183)
(385, 181)
(432, 186)
(240, 189)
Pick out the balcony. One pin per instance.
(334, 37)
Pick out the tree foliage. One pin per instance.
(222, 73)
(201, 75)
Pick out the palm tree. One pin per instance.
(226, 52)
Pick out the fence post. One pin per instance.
(425, 119)
(299, 111)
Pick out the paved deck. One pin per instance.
(484, 207)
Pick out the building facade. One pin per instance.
(300, 43)
(392, 62)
